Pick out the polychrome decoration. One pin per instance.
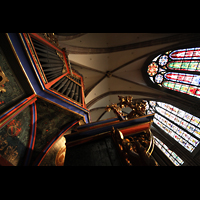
(177, 70)
(180, 125)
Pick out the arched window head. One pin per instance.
(177, 70)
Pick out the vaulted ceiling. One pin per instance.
(111, 64)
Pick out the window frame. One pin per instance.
(197, 148)
(149, 83)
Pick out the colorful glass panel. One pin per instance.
(170, 154)
(197, 132)
(163, 60)
(191, 90)
(195, 120)
(158, 78)
(183, 78)
(185, 65)
(179, 124)
(152, 69)
(173, 130)
(152, 103)
(183, 60)
(190, 53)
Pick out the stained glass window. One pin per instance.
(177, 70)
(170, 154)
(182, 126)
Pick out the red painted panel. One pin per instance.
(4, 162)
(19, 108)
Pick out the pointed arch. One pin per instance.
(176, 70)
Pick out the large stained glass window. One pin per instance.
(170, 154)
(180, 125)
(177, 70)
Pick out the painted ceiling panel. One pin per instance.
(96, 114)
(103, 102)
(134, 75)
(116, 84)
(95, 61)
(101, 88)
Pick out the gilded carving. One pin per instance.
(3, 80)
(64, 70)
(11, 153)
(3, 143)
(138, 107)
(134, 149)
(60, 157)
(51, 38)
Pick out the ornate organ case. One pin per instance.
(41, 98)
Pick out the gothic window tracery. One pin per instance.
(177, 70)
(183, 127)
(169, 153)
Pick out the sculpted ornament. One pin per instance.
(3, 80)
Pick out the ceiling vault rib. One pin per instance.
(151, 53)
(97, 108)
(87, 91)
(174, 38)
(101, 115)
(160, 97)
(85, 67)
(125, 64)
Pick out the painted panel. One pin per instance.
(12, 87)
(14, 137)
(51, 119)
